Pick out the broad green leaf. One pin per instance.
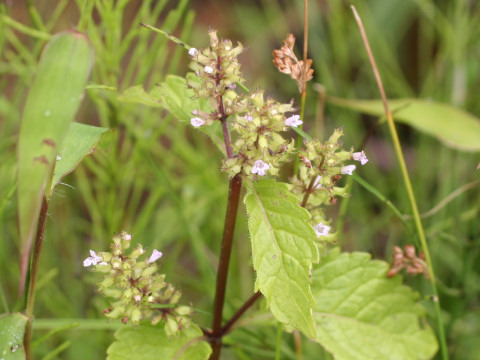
(363, 315)
(12, 329)
(80, 141)
(51, 105)
(283, 250)
(136, 94)
(454, 127)
(148, 342)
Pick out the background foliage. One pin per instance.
(155, 178)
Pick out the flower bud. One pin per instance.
(183, 310)
(136, 316)
(171, 326)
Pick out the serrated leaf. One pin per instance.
(138, 95)
(453, 126)
(51, 105)
(80, 141)
(363, 315)
(12, 329)
(148, 342)
(283, 250)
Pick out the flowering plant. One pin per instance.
(287, 221)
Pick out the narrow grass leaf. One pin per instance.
(283, 250)
(363, 315)
(12, 329)
(51, 105)
(80, 141)
(453, 126)
(148, 342)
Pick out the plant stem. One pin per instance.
(221, 110)
(409, 189)
(308, 192)
(240, 311)
(225, 252)
(298, 141)
(33, 277)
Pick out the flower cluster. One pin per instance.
(218, 70)
(139, 292)
(287, 63)
(258, 147)
(321, 167)
(408, 260)
(254, 122)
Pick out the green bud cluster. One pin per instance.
(321, 167)
(138, 291)
(257, 136)
(255, 123)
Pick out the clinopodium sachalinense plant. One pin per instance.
(286, 220)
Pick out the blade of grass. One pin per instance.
(408, 186)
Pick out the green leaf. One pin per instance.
(148, 342)
(362, 314)
(137, 95)
(453, 126)
(80, 141)
(174, 95)
(179, 100)
(12, 329)
(51, 105)
(283, 250)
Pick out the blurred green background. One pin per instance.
(156, 178)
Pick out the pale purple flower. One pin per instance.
(293, 121)
(126, 236)
(360, 156)
(193, 52)
(316, 183)
(248, 118)
(155, 256)
(208, 69)
(197, 122)
(348, 170)
(321, 229)
(92, 260)
(137, 298)
(260, 168)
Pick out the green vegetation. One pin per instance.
(154, 176)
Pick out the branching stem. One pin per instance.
(241, 311)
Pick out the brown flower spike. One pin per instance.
(407, 260)
(286, 62)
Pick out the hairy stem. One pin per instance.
(409, 189)
(222, 272)
(33, 277)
